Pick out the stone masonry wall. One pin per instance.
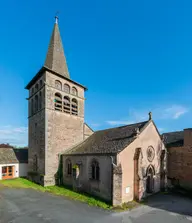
(36, 128)
(101, 188)
(62, 130)
(180, 166)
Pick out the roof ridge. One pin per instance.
(172, 132)
(121, 126)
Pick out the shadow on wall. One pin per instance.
(59, 174)
(170, 201)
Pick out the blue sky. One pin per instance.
(134, 57)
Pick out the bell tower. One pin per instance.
(56, 113)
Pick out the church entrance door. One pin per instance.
(150, 180)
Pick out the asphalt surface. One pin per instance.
(30, 206)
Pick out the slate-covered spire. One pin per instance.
(55, 59)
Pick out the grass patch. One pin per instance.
(62, 191)
(67, 192)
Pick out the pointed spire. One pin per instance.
(55, 59)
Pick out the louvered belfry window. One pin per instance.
(58, 102)
(67, 106)
(74, 107)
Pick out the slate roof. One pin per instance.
(108, 141)
(22, 155)
(173, 139)
(55, 59)
(10, 155)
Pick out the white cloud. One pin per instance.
(16, 136)
(158, 113)
(95, 124)
(175, 111)
(118, 122)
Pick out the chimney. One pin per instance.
(188, 137)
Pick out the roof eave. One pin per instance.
(44, 68)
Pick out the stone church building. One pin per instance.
(118, 164)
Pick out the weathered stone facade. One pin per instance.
(52, 131)
(148, 138)
(101, 188)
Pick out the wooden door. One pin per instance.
(7, 172)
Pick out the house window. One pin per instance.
(58, 102)
(69, 167)
(67, 106)
(95, 170)
(58, 85)
(74, 107)
(66, 88)
(74, 91)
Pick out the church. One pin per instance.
(117, 164)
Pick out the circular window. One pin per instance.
(150, 153)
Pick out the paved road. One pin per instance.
(30, 206)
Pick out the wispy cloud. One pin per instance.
(16, 136)
(175, 111)
(119, 122)
(158, 113)
(95, 124)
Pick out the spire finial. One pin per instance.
(56, 17)
(150, 115)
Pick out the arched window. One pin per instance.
(58, 102)
(32, 91)
(74, 91)
(69, 167)
(36, 103)
(35, 163)
(40, 100)
(66, 88)
(74, 107)
(41, 83)
(32, 107)
(36, 87)
(95, 170)
(58, 85)
(67, 106)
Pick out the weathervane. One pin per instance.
(56, 17)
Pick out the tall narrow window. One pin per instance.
(67, 106)
(58, 85)
(41, 83)
(66, 88)
(95, 170)
(74, 91)
(69, 167)
(40, 100)
(74, 107)
(58, 102)
(32, 91)
(36, 87)
(32, 107)
(36, 103)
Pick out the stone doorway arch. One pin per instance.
(150, 173)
